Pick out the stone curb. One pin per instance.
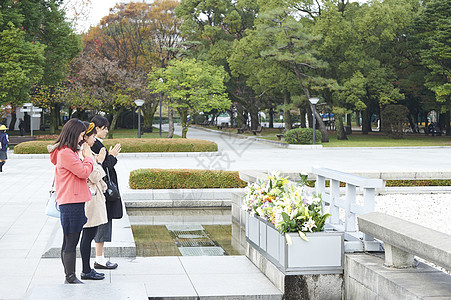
(122, 245)
(178, 198)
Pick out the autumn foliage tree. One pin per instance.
(136, 37)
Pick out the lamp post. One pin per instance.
(161, 97)
(139, 103)
(314, 101)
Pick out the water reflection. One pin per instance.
(187, 232)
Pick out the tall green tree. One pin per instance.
(291, 44)
(210, 29)
(359, 42)
(191, 86)
(20, 65)
(21, 58)
(63, 45)
(434, 35)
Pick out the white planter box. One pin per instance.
(322, 254)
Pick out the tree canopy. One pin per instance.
(191, 86)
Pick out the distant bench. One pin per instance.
(403, 239)
(223, 125)
(15, 140)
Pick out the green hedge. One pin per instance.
(184, 179)
(302, 136)
(132, 145)
(396, 183)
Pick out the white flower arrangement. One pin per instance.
(288, 206)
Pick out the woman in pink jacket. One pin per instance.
(71, 186)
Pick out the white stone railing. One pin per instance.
(347, 206)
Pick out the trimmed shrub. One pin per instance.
(132, 145)
(49, 137)
(184, 179)
(302, 136)
(396, 183)
(393, 118)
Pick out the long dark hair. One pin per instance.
(70, 133)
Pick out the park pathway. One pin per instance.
(25, 231)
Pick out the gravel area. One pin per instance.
(430, 210)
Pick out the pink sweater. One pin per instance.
(71, 176)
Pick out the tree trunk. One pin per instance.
(13, 120)
(53, 119)
(447, 125)
(366, 122)
(349, 122)
(319, 120)
(240, 116)
(148, 115)
(271, 117)
(341, 133)
(254, 118)
(309, 115)
(357, 118)
(302, 112)
(184, 120)
(286, 111)
(321, 127)
(171, 123)
(232, 117)
(116, 115)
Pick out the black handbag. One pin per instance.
(112, 192)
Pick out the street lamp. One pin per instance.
(139, 103)
(314, 101)
(161, 97)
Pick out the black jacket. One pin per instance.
(114, 208)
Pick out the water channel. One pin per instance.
(185, 232)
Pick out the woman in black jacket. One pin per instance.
(114, 208)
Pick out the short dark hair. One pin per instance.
(100, 121)
(70, 133)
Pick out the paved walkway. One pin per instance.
(25, 231)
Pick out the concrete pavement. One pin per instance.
(25, 230)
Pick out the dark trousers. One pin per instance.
(68, 254)
(85, 247)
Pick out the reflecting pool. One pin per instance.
(184, 232)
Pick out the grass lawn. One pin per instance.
(373, 139)
(357, 139)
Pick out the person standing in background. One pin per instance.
(21, 126)
(71, 186)
(114, 208)
(4, 141)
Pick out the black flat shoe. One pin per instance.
(101, 274)
(93, 275)
(109, 265)
(72, 279)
